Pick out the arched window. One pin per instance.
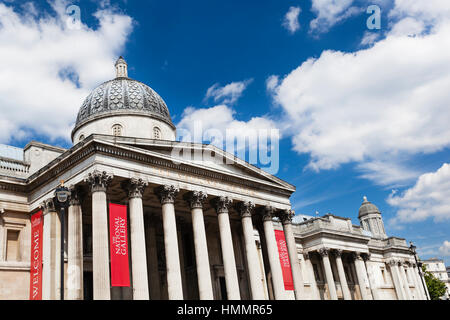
(117, 130)
(81, 137)
(156, 133)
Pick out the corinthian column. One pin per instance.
(328, 272)
(51, 252)
(99, 182)
(361, 275)
(342, 278)
(135, 188)
(312, 278)
(75, 247)
(221, 204)
(393, 265)
(195, 200)
(274, 256)
(167, 195)
(245, 209)
(404, 278)
(286, 219)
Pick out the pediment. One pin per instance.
(202, 156)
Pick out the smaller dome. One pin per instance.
(367, 208)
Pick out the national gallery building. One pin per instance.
(145, 222)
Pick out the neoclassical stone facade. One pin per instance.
(196, 229)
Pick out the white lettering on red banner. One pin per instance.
(120, 269)
(284, 260)
(36, 257)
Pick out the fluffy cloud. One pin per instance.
(428, 198)
(330, 12)
(374, 106)
(290, 21)
(198, 125)
(228, 94)
(256, 140)
(47, 65)
(444, 250)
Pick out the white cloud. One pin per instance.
(228, 94)
(428, 198)
(290, 21)
(444, 250)
(373, 106)
(331, 12)
(387, 172)
(218, 120)
(272, 83)
(369, 38)
(48, 66)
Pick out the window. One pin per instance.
(12, 245)
(117, 130)
(81, 137)
(156, 133)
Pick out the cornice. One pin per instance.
(93, 144)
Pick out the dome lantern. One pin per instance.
(121, 68)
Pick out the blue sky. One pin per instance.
(361, 112)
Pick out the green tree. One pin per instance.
(436, 287)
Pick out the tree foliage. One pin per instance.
(436, 287)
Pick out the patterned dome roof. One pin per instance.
(367, 207)
(122, 96)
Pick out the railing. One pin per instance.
(14, 166)
(324, 223)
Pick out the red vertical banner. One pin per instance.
(36, 257)
(120, 269)
(284, 260)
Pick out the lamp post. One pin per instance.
(61, 201)
(412, 248)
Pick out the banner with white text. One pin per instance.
(36, 257)
(120, 269)
(284, 260)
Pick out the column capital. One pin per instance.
(393, 262)
(47, 206)
(267, 212)
(221, 204)
(338, 252)
(286, 216)
(356, 256)
(167, 193)
(365, 256)
(98, 180)
(195, 199)
(135, 187)
(245, 209)
(324, 252)
(75, 195)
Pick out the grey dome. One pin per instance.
(122, 96)
(367, 207)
